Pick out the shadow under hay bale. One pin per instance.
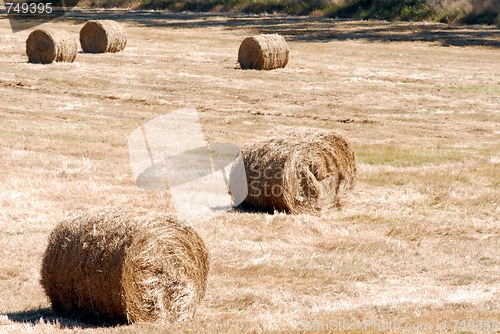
(263, 52)
(298, 170)
(45, 46)
(103, 36)
(47, 315)
(117, 267)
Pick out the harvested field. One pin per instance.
(417, 240)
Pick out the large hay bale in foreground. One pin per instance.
(103, 36)
(45, 46)
(263, 52)
(298, 170)
(112, 266)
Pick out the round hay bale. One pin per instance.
(113, 266)
(298, 170)
(103, 36)
(263, 52)
(45, 46)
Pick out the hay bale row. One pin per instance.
(45, 46)
(117, 267)
(298, 170)
(103, 36)
(263, 52)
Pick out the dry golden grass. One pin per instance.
(418, 238)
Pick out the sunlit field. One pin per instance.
(416, 242)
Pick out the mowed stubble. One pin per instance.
(416, 240)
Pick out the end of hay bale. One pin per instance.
(117, 267)
(45, 46)
(103, 36)
(263, 52)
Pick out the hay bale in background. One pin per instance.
(103, 36)
(298, 170)
(263, 52)
(45, 46)
(116, 267)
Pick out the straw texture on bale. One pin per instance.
(263, 52)
(298, 170)
(114, 266)
(45, 46)
(103, 36)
